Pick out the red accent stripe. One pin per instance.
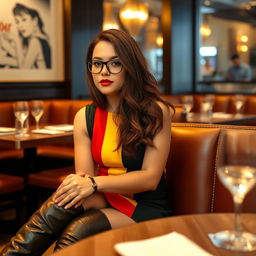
(103, 171)
(120, 203)
(99, 126)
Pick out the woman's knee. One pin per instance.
(96, 201)
(116, 218)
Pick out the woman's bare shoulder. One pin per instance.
(168, 111)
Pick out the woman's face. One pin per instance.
(107, 83)
(26, 25)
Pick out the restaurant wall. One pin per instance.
(178, 46)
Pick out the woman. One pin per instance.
(121, 146)
(29, 48)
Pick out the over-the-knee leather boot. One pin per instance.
(41, 230)
(89, 223)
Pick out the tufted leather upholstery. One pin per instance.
(191, 171)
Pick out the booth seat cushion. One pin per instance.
(50, 179)
(10, 153)
(10, 184)
(59, 151)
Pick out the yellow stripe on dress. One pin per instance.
(116, 171)
(111, 157)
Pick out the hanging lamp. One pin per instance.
(133, 16)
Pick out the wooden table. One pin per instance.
(30, 143)
(229, 119)
(195, 227)
(34, 140)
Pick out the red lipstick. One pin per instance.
(105, 82)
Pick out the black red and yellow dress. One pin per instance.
(103, 133)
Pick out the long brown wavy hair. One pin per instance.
(140, 116)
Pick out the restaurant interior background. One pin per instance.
(176, 37)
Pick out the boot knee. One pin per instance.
(91, 222)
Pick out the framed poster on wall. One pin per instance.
(31, 40)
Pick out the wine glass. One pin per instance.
(21, 112)
(206, 107)
(239, 102)
(237, 171)
(187, 101)
(37, 110)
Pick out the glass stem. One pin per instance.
(37, 122)
(237, 204)
(22, 121)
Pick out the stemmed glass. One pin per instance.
(207, 106)
(187, 101)
(37, 110)
(239, 102)
(21, 112)
(237, 172)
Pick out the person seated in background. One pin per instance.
(122, 143)
(208, 71)
(239, 71)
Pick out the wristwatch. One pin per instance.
(94, 184)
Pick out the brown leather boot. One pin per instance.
(42, 229)
(91, 222)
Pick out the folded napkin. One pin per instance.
(173, 244)
(46, 131)
(221, 115)
(6, 131)
(60, 127)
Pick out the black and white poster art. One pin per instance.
(31, 40)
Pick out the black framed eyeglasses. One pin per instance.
(113, 66)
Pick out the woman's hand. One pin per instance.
(72, 191)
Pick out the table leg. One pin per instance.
(30, 156)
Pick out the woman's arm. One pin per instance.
(78, 185)
(33, 52)
(5, 43)
(83, 155)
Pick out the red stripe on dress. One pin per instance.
(99, 127)
(120, 203)
(103, 171)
